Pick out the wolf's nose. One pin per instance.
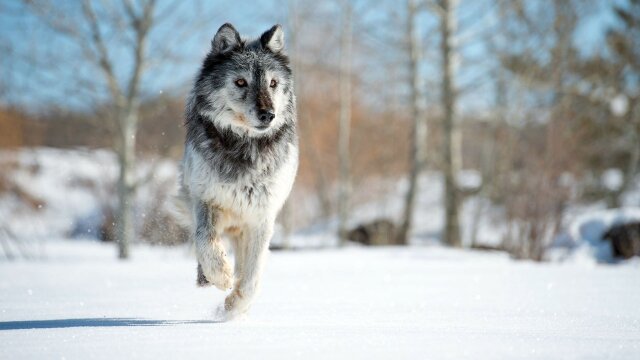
(266, 116)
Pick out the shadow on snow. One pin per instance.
(93, 322)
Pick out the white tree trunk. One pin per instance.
(126, 183)
(419, 123)
(286, 215)
(344, 181)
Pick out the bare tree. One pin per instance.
(624, 44)
(446, 10)
(344, 181)
(548, 165)
(92, 29)
(419, 133)
(286, 215)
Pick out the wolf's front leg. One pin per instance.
(255, 251)
(213, 266)
(239, 242)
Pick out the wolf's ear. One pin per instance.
(273, 39)
(226, 39)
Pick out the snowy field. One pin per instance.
(354, 303)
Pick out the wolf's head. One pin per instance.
(245, 86)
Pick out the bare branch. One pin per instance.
(103, 54)
(435, 6)
(141, 24)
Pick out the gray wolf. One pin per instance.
(240, 158)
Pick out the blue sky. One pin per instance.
(58, 64)
(27, 84)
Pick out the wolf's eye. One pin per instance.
(273, 83)
(241, 82)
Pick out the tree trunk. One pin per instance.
(286, 215)
(631, 169)
(419, 125)
(451, 134)
(126, 183)
(344, 181)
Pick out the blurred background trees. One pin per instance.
(532, 108)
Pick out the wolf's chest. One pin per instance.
(244, 193)
(258, 190)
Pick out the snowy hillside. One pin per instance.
(580, 239)
(356, 303)
(72, 189)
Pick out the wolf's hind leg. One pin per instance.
(213, 266)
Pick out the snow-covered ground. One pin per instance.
(354, 303)
(74, 300)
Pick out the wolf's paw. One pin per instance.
(221, 277)
(220, 314)
(236, 302)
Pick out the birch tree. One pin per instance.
(419, 133)
(344, 120)
(104, 33)
(286, 215)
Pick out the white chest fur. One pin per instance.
(252, 196)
